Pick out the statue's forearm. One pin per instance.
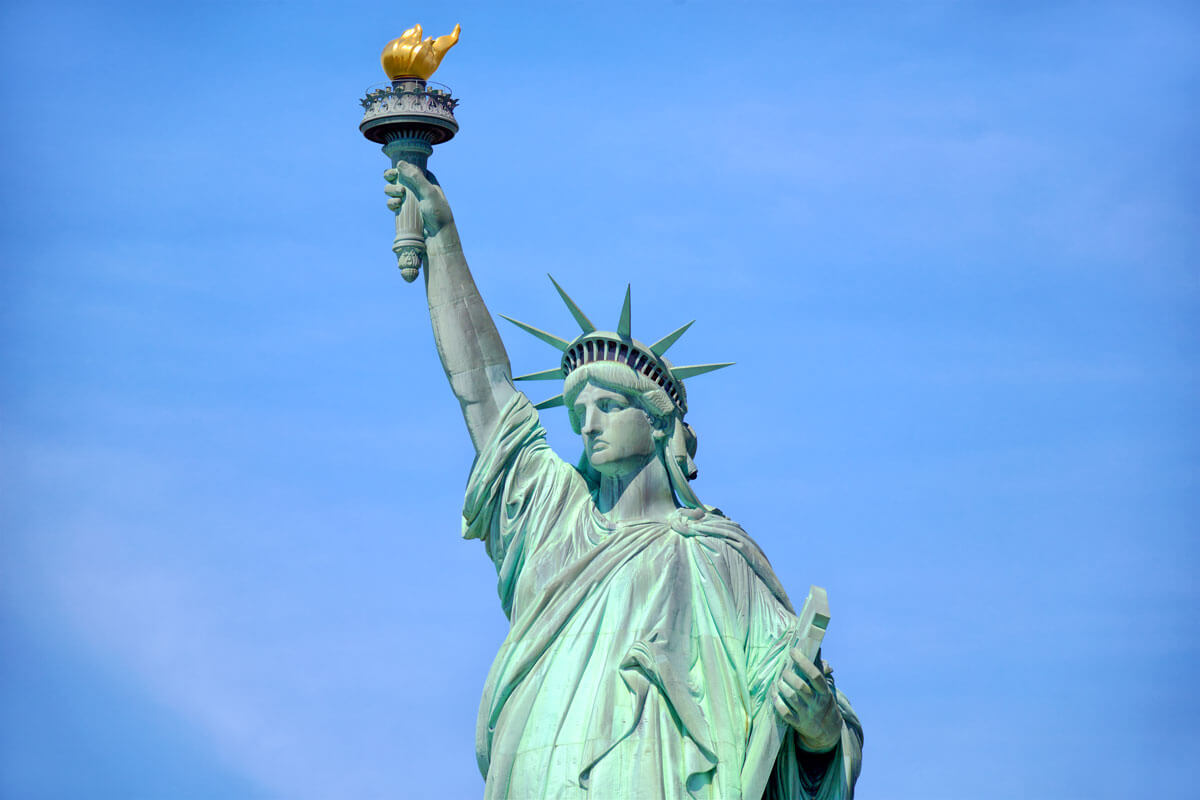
(470, 347)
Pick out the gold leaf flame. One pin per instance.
(411, 57)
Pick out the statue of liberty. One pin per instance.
(652, 650)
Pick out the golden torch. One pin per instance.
(408, 117)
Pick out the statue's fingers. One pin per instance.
(786, 713)
(803, 666)
(789, 697)
(814, 676)
(413, 178)
(798, 685)
(798, 657)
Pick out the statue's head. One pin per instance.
(624, 418)
(637, 389)
(614, 381)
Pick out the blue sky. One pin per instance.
(951, 246)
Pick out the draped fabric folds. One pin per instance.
(640, 656)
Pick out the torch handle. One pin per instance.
(409, 244)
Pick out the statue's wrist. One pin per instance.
(818, 746)
(825, 741)
(445, 241)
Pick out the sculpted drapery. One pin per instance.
(652, 652)
(640, 654)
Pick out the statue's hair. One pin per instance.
(622, 379)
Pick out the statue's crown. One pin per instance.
(410, 57)
(618, 347)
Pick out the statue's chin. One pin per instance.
(609, 466)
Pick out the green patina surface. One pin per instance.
(641, 655)
(652, 651)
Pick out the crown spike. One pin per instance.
(576, 311)
(557, 400)
(548, 338)
(555, 374)
(663, 344)
(623, 326)
(692, 370)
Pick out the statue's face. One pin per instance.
(618, 437)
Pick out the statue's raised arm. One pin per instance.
(467, 340)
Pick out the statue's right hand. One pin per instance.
(435, 211)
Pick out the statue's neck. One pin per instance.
(644, 494)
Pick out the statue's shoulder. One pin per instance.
(726, 536)
(715, 527)
(706, 522)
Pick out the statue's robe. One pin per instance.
(641, 656)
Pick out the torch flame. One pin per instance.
(409, 57)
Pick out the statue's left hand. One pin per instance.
(805, 701)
